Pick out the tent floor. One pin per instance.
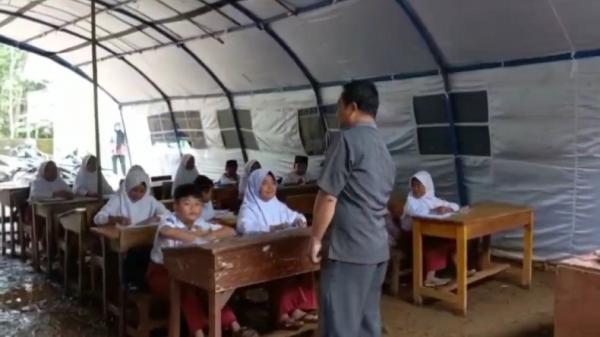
(497, 308)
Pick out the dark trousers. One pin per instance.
(350, 296)
(118, 157)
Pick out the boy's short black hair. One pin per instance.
(231, 163)
(203, 184)
(185, 191)
(364, 94)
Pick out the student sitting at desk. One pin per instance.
(262, 212)
(186, 225)
(48, 184)
(132, 204)
(421, 201)
(186, 172)
(299, 175)
(86, 183)
(251, 166)
(205, 187)
(230, 177)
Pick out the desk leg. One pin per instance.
(214, 315)
(485, 257)
(417, 263)
(3, 211)
(461, 269)
(122, 295)
(49, 245)
(526, 275)
(104, 248)
(35, 240)
(13, 239)
(175, 310)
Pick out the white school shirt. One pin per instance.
(87, 182)
(225, 180)
(208, 212)
(172, 221)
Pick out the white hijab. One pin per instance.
(88, 181)
(44, 189)
(142, 209)
(183, 175)
(257, 215)
(425, 204)
(244, 178)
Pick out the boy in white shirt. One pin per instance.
(186, 225)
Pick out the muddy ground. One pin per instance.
(31, 307)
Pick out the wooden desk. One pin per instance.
(120, 240)
(577, 297)
(48, 210)
(223, 266)
(12, 196)
(480, 221)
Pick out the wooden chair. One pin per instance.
(226, 198)
(302, 203)
(398, 267)
(76, 223)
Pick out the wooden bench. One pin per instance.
(121, 240)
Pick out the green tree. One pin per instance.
(13, 89)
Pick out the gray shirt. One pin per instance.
(359, 171)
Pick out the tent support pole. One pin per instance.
(175, 128)
(238, 127)
(442, 64)
(96, 112)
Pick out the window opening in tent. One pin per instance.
(312, 133)
(189, 130)
(229, 133)
(471, 119)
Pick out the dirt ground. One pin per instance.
(30, 307)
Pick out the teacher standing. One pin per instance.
(349, 238)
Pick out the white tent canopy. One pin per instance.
(524, 79)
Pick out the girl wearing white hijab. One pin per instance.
(132, 204)
(186, 172)
(421, 201)
(86, 183)
(48, 184)
(262, 212)
(250, 167)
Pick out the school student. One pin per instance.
(205, 186)
(48, 184)
(262, 212)
(230, 177)
(421, 201)
(186, 226)
(299, 175)
(251, 166)
(393, 221)
(86, 182)
(132, 204)
(186, 172)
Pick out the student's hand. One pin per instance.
(63, 194)
(315, 250)
(122, 220)
(442, 210)
(279, 227)
(299, 223)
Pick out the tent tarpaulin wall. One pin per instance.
(523, 78)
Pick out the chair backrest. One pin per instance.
(302, 203)
(226, 198)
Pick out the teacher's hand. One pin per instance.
(315, 250)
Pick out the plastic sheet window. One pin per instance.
(311, 129)
(189, 128)
(229, 134)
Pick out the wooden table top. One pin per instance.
(109, 232)
(481, 211)
(10, 186)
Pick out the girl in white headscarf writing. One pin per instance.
(132, 204)
(262, 212)
(421, 201)
(186, 172)
(86, 183)
(251, 166)
(48, 184)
